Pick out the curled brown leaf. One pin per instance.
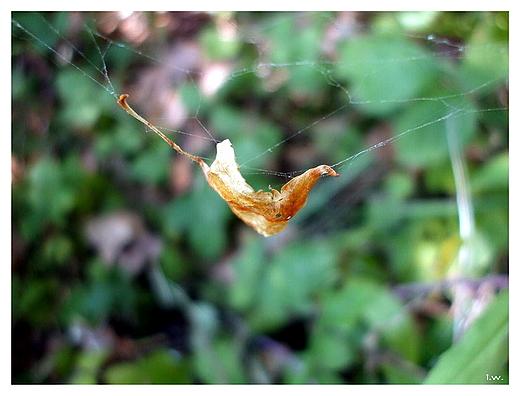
(268, 212)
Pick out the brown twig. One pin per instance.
(126, 107)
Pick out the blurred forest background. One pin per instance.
(128, 268)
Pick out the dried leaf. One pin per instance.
(268, 212)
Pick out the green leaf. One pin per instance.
(77, 92)
(248, 271)
(424, 127)
(291, 281)
(57, 250)
(333, 350)
(249, 135)
(295, 37)
(160, 367)
(203, 216)
(493, 175)
(151, 166)
(365, 302)
(486, 57)
(87, 366)
(385, 71)
(109, 290)
(50, 197)
(191, 97)
(218, 361)
(481, 353)
(399, 373)
(269, 291)
(37, 24)
(35, 299)
(215, 47)
(386, 314)
(228, 121)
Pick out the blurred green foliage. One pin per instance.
(356, 290)
(485, 345)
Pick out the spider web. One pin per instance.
(338, 67)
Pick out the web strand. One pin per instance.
(323, 67)
(68, 61)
